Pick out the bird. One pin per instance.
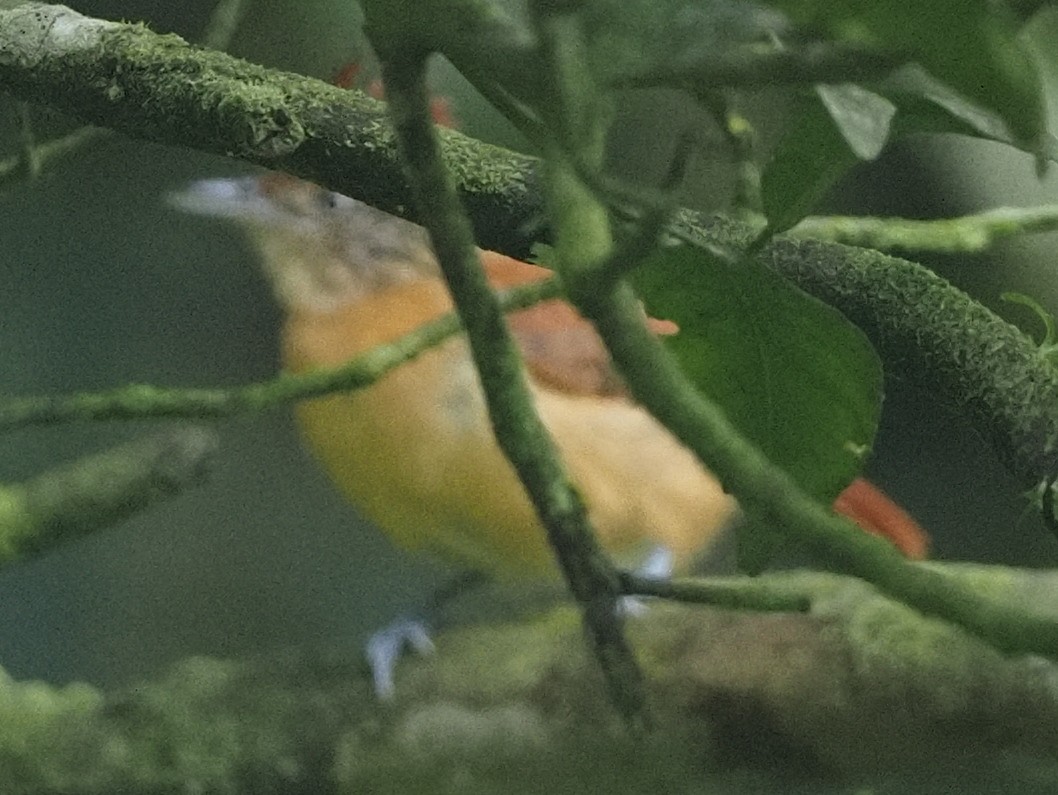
(415, 450)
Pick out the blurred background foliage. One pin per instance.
(104, 284)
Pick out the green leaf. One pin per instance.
(836, 126)
(972, 45)
(928, 105)
(862, 117)
(925, 104)
(791, 373)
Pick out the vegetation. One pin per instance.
(775, 380)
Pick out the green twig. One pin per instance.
(768, 493)
(748, 203)
(737, 593)
(584, 242)
(968, 233)
(97, 491)
(30, 159)
(757, 66)
(142, 401)
(46, 154)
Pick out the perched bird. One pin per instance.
(415, 451)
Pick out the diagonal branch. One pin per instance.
(518, 428)
(141, 401)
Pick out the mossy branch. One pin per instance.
(860, 692)
(161, 89)
(966, 233)
(37, 156)
(519, 430)
(99, 490)
(866, 692)
(938, 338)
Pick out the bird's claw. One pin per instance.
(385, 647)
(657, 565)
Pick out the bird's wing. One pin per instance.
(561, 349)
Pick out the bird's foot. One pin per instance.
(386, 646)
(657, 565)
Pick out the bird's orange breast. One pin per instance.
(415, 451)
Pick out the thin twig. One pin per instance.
(967, 233)
(142, 401)
(29, 160)
(46, 154)
(99, 490)
(737, 593)
(756, 66)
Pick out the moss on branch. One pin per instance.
(857, 693)
(942, 340)
(160, 88)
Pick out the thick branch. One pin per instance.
(939, 338)
(161, 89)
